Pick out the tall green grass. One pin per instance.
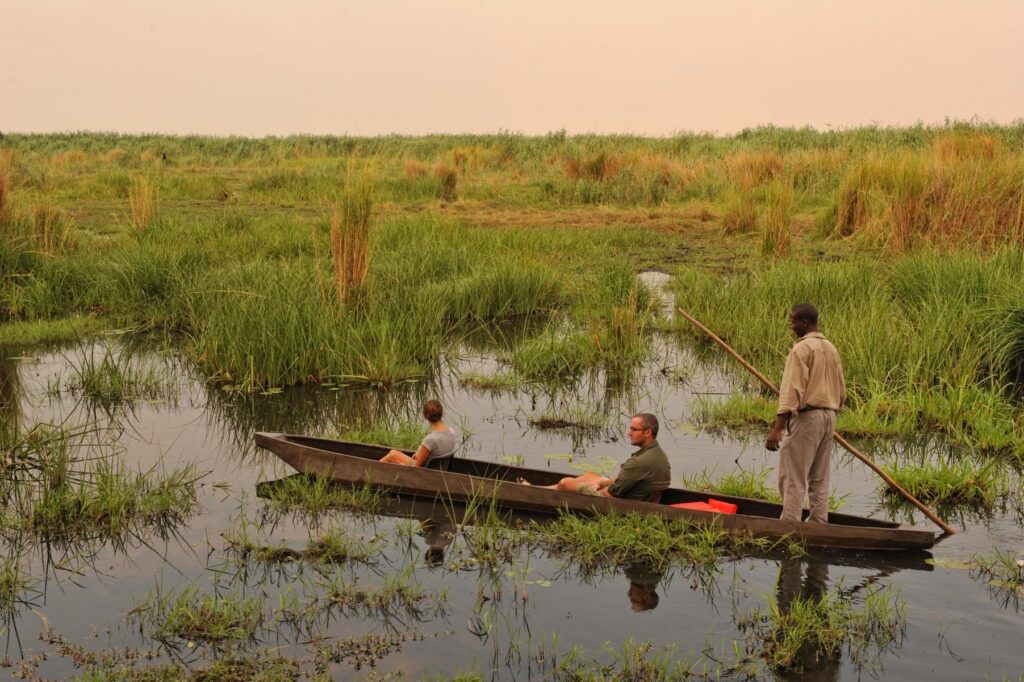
(928, 341)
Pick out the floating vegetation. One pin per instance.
(406, 435)
(318, 494)
(624, 539)
(55, 492)
(744, 483)
(399, 593)
(15, 586)
(368, 650)
(1003, 570)
(187, 615)
(739, 412)
(963, 482)
(113, 378)
(491, 382)
(806, 631)
(576, 417)
(334, 545)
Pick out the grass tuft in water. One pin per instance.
(621, 540)
(55, 492)
(15, 585)
(188, 615)
(808, 630)
(1003, 570)
(944, 482)
(318, 494)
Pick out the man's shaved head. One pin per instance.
(806, 312)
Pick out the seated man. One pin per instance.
(642, 477)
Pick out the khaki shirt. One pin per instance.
(643, 474)
(813, 376)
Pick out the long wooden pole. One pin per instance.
(838, 438)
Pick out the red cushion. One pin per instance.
(724, 507)
(700, 506)
(712, 505)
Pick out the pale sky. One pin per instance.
(258, 67)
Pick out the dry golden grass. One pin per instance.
(905, 199)
(415, 169)
(350, 236)
(114, 155)
(148, 156)
(957, 146)
(449, 178)
(71, 157)
(753, 168)
(464, 157)
(5, 195)
(776, 235)
(51, 231)
(740, 214)
(601, 166)
(142, 203)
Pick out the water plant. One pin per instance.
(622, 539)
(952, 482)
(187, 614)
(1003, 570)
(318, 494)
(807, 630)
(350, 236)
(53, 491)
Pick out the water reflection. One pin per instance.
(437, 534)
(806, 579)
(643, 584)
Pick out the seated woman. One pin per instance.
(437, 448)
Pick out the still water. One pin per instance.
(538, 606)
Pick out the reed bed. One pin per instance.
(910, 364)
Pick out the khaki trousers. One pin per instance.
(804, 465)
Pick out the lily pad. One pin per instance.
(957, 564)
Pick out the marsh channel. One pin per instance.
(456, 617)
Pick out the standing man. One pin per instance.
(812, 391)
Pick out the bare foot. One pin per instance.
(522, 481)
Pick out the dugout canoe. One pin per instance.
(356, 464)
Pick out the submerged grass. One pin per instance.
(318, 494)
(808, 630)
(53, 491)
(1003, 570)
(188, 615)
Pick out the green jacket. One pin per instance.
(646, 472)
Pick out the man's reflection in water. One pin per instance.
(437, 535)
(808, 585)
(643, 584)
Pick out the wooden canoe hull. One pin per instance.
(356, 463)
